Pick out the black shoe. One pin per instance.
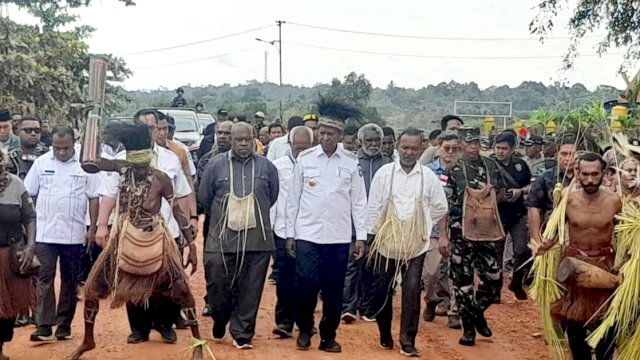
(429, 311)
(518, 291)
(330, 346)
(181, 323)
(468, 334)
(63, 332)
(386, 342)
(481, 325)
(22, 320)
(304, 341)
(219, 331)
(348, 318)
(273, 278)
(136, 338)
(454, 322)
(42, 333)
(497, 299)
(206, 311)
(409, 351)
(167, 335)
(282, 331)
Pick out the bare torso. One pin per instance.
(591, 219)
(160, 187)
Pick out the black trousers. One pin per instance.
(385, 274)
(160, 312)
(6, 330)
(234, 291)
(577, 335)
(357, 294)
(285, 266)
(521, 253)
(48, 254)
(320, 268)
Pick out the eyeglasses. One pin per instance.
(451, 149)
(31, 130)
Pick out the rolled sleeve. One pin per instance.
(93, 186)
(109, 185)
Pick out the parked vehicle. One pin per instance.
(188, 128)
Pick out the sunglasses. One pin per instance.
(31, 130)
(451, 149)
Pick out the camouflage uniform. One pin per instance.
(20, 163)
(467, 256)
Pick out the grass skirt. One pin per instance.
(579, 304)
(105, 279)
(15, 291)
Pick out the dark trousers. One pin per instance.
(234, 290)
(385, 274)
(69, 255)
(577, 335)
(6, 330)
(356, 295)
(466, 258)
(320, 268)
(89, 257)
(205, 234)
(521, 253)
(285, 266)
(160, 312)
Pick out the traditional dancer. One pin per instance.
(140, 258)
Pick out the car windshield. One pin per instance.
(204, 120)
(185, 123)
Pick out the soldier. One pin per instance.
(22, 157)
(476, 236)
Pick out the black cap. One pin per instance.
(469, 133)
(533, 140)
(5, 115)
(180, 90)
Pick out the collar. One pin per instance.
(291, 158)
(75, 157)
(321, 152)
(232, 156)
(416, 168)
(363, 155)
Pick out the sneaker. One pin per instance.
(282, 331)
(453, 322)
(136, 337)
(304, 341)
(366, 318)
(181, 323)
(63, 332)
(330, 346)
(429, 313)
(386, 343)
(348, 318)
(442, 309)
(409, 351)
(242, 344)
(167, 335)
(22, 320)
(43, 333)
(219, 332)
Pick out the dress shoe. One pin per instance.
(331, 346)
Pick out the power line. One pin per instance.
(442, 56)
(197, 60)
(426, 37)
(200, 42)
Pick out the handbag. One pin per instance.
(17, 249)
(141, 252)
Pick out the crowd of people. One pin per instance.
(348, 215)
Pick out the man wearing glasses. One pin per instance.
(22, 157)
(438, 295)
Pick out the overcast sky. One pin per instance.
(154, 24)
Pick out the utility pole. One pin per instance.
(266, 78)
(280, 22)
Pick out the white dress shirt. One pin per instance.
(192, 166)
(285, 167)
(167, 162)
(406, 191)
(279, 147)
(62, 190)
(326, 193)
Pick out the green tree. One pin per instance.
(44, 71)
(620, 18)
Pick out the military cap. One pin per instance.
(533, 140)
(468, 133)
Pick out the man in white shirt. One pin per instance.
(61, 189)
(327, 191)
(300, 138)
(406, 184)
(140, 318)
(280, 147)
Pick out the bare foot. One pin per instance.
(86, 346)
(197, 353)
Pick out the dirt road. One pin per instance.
(513, 323)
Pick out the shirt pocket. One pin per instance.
(311, 179)
(344, 176)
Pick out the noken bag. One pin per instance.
(480, 218)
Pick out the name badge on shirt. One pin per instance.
(443, 179)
